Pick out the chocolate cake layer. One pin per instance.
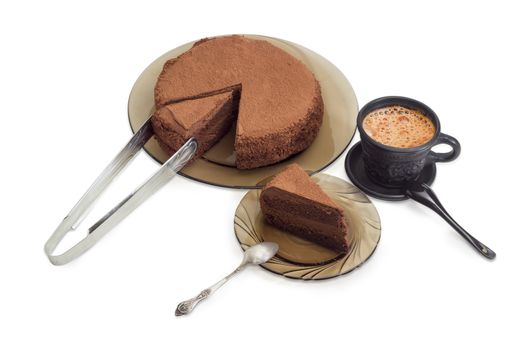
(295, 203)
(207, 120)
(308, 230)
(280, 109)
(299, 206)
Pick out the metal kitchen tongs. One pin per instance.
(126, 206)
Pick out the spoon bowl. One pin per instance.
(260, 253)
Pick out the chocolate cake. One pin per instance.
(206, 119)
(293, 202)
(280, 108)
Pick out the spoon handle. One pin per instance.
(186, 307)
(432, 202)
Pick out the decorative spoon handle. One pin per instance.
(415, 192)
(186, 307)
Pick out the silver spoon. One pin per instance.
(256, 255)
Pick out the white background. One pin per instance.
(65, 74)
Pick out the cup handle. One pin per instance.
(447, 156)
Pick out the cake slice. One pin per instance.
(207, 119)
(293, 202)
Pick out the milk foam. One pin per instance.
(397, 126)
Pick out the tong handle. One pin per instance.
(416, 193)
(126, 206)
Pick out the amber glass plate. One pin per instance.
(301, 259)
(217, 165)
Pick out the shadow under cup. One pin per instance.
(392, 166)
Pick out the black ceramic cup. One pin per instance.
(393, 166)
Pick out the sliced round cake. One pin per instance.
(277, 98)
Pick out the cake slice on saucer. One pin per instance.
(293, 202)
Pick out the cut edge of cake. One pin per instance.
(207, 119)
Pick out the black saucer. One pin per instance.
(354, 167)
